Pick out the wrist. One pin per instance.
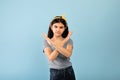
(56, 51)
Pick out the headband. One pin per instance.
(62, 17)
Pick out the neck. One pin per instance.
(57, 38)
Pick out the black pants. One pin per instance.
(62, 74)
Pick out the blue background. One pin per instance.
(95, 25)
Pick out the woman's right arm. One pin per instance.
(51, 55)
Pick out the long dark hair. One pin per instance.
(58, 19)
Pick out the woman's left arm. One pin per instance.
(59, 45)
(65, 51)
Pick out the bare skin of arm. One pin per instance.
(51, 54)
(58, 48)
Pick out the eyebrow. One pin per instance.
(58, 26)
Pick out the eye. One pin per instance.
(55, 26)
(61, 27)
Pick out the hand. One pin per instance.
(46, 38)
(68, 37)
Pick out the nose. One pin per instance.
(57, 29)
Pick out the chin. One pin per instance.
(58, 35)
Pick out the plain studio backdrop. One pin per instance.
(96, 36)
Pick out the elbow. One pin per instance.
(51, 59)
(68, 55)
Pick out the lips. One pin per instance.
(58, 33)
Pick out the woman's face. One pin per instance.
(58, 29)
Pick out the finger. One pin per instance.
(70, 33)
(44, 35)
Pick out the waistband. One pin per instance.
(62, 68)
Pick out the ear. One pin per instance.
(51, 27)
(65, 28)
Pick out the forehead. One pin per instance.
(58, 24)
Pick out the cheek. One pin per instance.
(52, 28)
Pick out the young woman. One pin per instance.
(58, 48)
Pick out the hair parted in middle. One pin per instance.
(58, 19)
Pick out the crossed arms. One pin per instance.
(58, 45)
